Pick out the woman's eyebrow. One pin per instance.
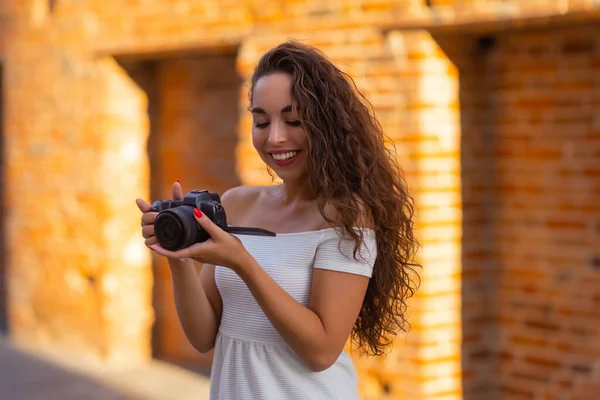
(258, 110)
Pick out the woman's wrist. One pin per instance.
(177, 264)
(246, 266)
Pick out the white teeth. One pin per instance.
(284, 156)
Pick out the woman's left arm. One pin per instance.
(316, 333)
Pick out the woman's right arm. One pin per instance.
(197, 301)
(197, 298)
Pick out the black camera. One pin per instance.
(175, 227)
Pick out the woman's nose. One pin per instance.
(278, 133)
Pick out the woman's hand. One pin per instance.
(149, 217)
(148, 224)
(222, 248)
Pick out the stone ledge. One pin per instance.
(489, 22)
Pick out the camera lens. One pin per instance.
(176, 228)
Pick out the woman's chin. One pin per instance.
(289, 175)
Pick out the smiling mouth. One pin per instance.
(284, 159)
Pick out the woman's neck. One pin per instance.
(296, 191)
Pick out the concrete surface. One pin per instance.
(28, 376)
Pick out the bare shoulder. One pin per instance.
(238, 199)
(240, 194)
(364, 217)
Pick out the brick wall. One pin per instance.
(530, 157)
(436, 316)
(78, 279)
(469, 53)
(88, 134)
(193, 104)
(546, 94)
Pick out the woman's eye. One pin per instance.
(261, 125)
(294, 123)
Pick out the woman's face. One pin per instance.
(277, 133)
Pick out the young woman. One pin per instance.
(279, 310)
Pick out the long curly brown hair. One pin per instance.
(352, 169)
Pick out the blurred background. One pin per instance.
(493, 107)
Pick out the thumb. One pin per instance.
(213, 229)
(143, 206)
(177, 191)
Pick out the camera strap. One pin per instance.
(242, 230)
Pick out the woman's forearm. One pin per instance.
(300, 327)
(195, 312)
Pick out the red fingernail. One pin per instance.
(197, 213)
(151, 248)
(178, 181)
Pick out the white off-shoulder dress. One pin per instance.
(251, 359)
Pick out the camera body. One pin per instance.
(175, 227)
